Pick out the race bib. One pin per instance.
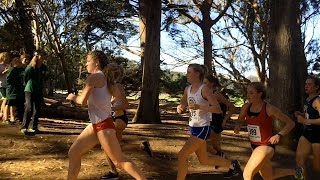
(254, 133)
(194, 115)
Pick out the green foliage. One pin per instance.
(10, 37)
(110, 21)
(172, 82)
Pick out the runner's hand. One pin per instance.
(71, 97)
(297, 113)
(302, 120)
(180, 109)
(274, 139)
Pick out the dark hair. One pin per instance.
(213, 80)
(201, 69)
(259, 88)
(100, 57)
(315, 80)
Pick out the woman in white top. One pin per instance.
(97, 94)
(201, 103)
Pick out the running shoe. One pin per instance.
(147, 148)
(299, 173)
(23, 130)
(110, 175)
(236, 171)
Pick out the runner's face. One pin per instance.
(91, 64)
(253, 95)
(25, 61)
(192, 75)
(310, 87)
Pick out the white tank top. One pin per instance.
(99, 104)
(198, 118)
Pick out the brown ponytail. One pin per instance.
(114, 74)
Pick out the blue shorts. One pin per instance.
(201, 132)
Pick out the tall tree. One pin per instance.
(250, 17)
(287, 59)
(150, 21)
(202, 9)
(20, 8)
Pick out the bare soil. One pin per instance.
(44, 156)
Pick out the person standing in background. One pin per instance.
(15, 88)
(4, 68)
(33, 93)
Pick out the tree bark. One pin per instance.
(205, 26)
(287, 62)
(150, 19)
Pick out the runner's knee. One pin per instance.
(73, 153)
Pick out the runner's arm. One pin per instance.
(241, 118)
(276, 113)
(214, 106)
(231, 107)
(120, 96)
(83, 97)
(316, 105)
(183, 103)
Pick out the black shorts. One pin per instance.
(216, 123)
(123, 117)
(312, 135)
(253, 146)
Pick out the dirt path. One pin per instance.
(44, 156)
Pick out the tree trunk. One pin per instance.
(287, 60)
(25, 24)
(207, 43)
(205, 26)
(150, 17)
